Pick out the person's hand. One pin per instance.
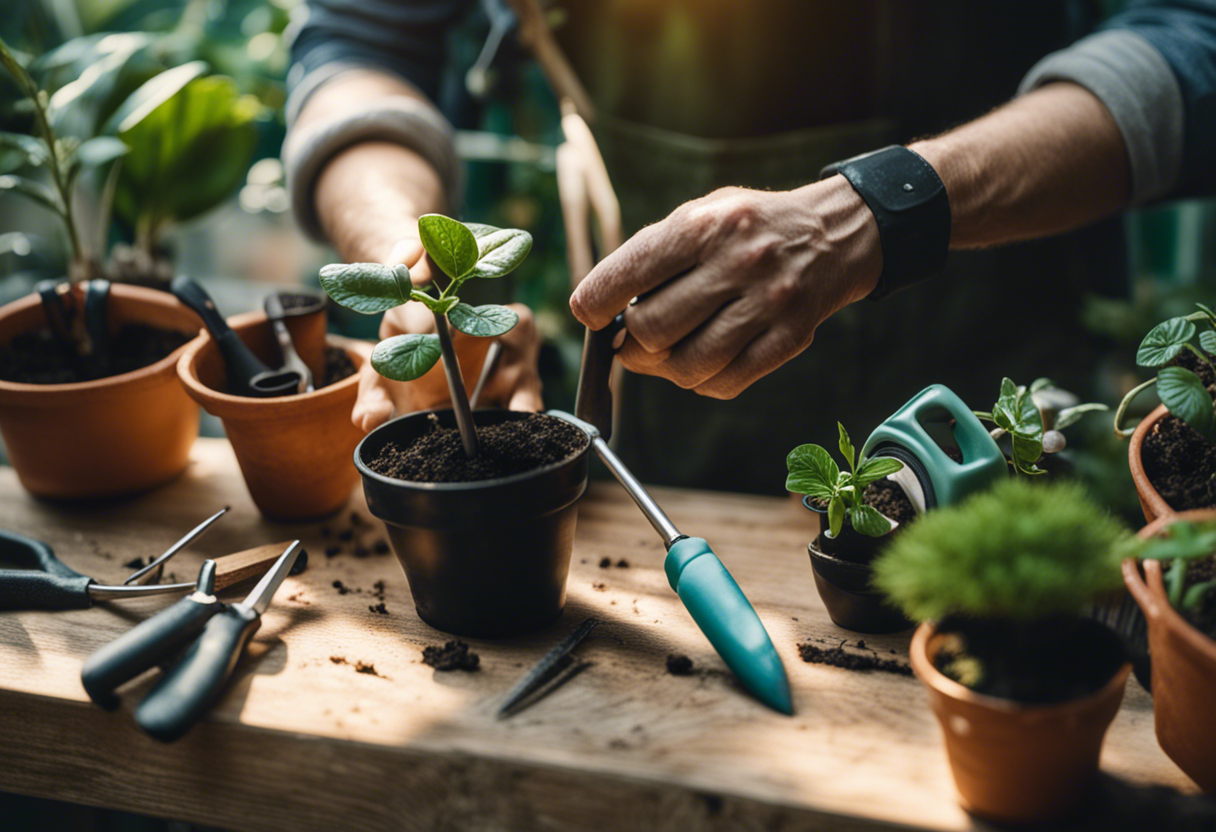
(515, 383)
(733, 285)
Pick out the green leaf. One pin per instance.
(873, 470)
(450, 243)
(1205, 310)
(367, 288)
(1207, 340)
(1042, 383)
(97, 152)
(812, 471)
(1071, 415)
(1015, 411)
(868, 521)
(30, 189)
(1184, 395)
(406, 357)
(499, 250)
(32, 151)
(1026, 452)
(482, 321)
(1164, 342)
(846, 448)
(154, 93)
(836, 515)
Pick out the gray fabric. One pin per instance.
(407, 121)
(1136, 84)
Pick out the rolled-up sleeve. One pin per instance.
(1154, 68)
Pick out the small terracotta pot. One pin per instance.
(1151, 502)
(108, 437)
(294, 451)
(1184, 666)
(1016, 763)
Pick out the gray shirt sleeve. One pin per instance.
(1136, 84)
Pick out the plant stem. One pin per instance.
(460, 398)
(1202, 355)
(1127, 400)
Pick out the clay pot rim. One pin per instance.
(933, 678)
(474, 485)
(1153, 501)
(122, 382)
(226, 405)
(1150, 594)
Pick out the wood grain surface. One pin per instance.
(303, 740)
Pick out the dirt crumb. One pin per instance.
(342, 588)
(600, 586)
(622, 564)
(679, 665)
(378, 609)
(454, 655)
(605, 563)
(837, 657)
(135, 563)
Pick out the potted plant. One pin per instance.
(852, 503)
(1175, 591)
(1171, 454)
(480, 507)
(1023, 684)
(87, 411)
(1033, 418)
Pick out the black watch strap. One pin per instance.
(910, 205)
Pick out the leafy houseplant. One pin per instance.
(1024, 686)
(1173, 467)
(462, 252)
(1019, 414)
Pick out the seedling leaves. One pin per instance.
(868, 521)
(811, 471)
(499, 250)
(482, 321)
(1207, 340)
(1016, 413)
(449, 243)
(846, 448)
(1164, 342)
(1184, 395)
(1071, 415)
(873, 470)
(368, 288)
(406, 357)
(836, 515)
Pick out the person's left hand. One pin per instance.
(515, 383)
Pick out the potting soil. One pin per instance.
(838, 657)
(1202, 617)
(337, 365)
(512, 447)
(1180, 464)
(38, 357)
(454, 655)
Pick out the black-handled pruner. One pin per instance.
(43, 582)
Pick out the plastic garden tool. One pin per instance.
(247, 376)
(216, 635)
(59, 305)
(929, 477)
(273, 304)
(43, 582)
(708, 591)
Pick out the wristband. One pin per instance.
(910, 205)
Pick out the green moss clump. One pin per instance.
(1018, 551)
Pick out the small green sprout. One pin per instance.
(812, 471)
(1017, 413)
(1179, 545)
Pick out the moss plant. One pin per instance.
(1018, 551)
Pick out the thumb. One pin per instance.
(374, 405)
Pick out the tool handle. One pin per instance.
(142, 647)
(28, 589)
(593, 403)
(27, 553)
(239, 363)
(184, 695)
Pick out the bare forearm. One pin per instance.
(1047, 162)
(369, 196)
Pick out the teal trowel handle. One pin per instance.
(728, 620)
(983, 463)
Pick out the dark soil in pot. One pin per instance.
(884, 496)
(1178, 461)
(1203, 617)
(1032, 662)
(38, 357)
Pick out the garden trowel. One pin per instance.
(708, 591)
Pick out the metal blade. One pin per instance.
(538, 674)
(174, 549)
(259, 599)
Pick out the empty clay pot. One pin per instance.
(487, 558)
(1011, 762)
(1184, 666)
(294, 451)
(1151, 502)
(108, 437)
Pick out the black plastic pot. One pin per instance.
(844, 584)
(488, 558)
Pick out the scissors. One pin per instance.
(43, 582)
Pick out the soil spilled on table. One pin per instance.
(38, 357)
(838, 657)
(511, 447)
(455, 655)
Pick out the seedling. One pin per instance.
(1180, 390)
(462, 252)
(813, 472)
(1017, 413)
(1180, 544)
(1018, 551)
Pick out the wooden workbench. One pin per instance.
(303, 742)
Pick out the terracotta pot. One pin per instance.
(108, 437)
(1151, 502)
(1184, 666)
(294, 451)
(1016, 763)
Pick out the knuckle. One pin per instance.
(783, 289)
